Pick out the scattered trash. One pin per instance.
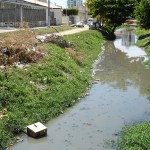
(2, 67)
(20, 47)
(58, 40)
(11, 144)
(87, 94)
(18, 139)
(3, 113)
(3, 116)
(61, 112)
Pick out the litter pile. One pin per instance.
(19, 47)
(55, 39)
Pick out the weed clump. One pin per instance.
(135, 137)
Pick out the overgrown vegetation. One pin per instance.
(142, 13)
(44, 89)
(144, 41)
(136, 137)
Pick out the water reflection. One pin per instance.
(125, 42)
(127, 36)
(118, 69)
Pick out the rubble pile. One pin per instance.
(58, 40)
(19, 48)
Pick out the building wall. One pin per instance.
(65, 20)
(57, 15)
(83, 13)
(76, 19)
(11, 14)
(37, 15)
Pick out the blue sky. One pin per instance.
(62, 3)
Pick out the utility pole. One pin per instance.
(85, 13)
(49, 19)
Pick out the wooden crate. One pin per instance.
(37, 130)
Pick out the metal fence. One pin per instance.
(10, 14)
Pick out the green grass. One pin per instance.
(144, 41)
(46, 30)
(45, 89)
(141, 32)
(136, 137)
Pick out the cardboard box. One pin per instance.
(37, 130)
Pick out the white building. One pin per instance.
(35, 12)
(55, 11)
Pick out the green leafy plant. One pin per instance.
(135, 137)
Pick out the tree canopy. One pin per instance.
(70, 11)
(112, 12)
(142, 13)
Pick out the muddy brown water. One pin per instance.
(118, 98)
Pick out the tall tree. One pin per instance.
(142, 13)
(113, 12)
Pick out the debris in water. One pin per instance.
(18, 139)
(37, 130)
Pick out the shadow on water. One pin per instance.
(118, 98)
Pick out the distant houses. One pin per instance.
(35, 12)
(83, 11)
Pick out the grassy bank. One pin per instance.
(144, 41)
(46, 88)
(137, 137)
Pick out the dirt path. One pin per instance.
(3, 30)
(73, 31)
(67, 32)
